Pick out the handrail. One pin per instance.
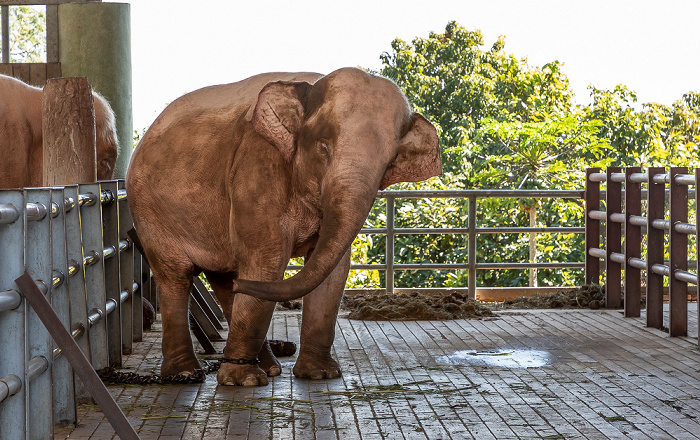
(472, 231)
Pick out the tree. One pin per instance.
(27, 34)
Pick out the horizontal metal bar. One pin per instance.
(124, 245)
(121, 194)
(637, 263)
(639, 177)
(660, 269)
(598, 215)
(95, 316)
(55, 209)
(685, 228)
(617, 217)
(106, 197)
(8, 213)
(35, 212)
(68, 204)
(597, 177)
(37, 365)
(638, 220)
(91, 257)
(662, 178)
(685, 276)
(617, 177)
(73, 267)
(552, 265)
(617, 258)
(483, 193)
(9, 386)
(57, 279)
(685, 179)
(108, 252)
(110, 305)
(87, 199)
(661, 224)
(78, 330)
(124, 295)
(598, 253)
(10, 300)
(513, 230)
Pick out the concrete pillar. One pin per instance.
(94, 41)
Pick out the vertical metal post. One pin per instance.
(76, 282)
(656, 209)
(592, 202)
(110, 232)
(39, 343)
(533, 246)
(126, 271)
(64, 410)
(5, 11)
(633, 244)
(13, 408)
(613, 233)
(93, 246)
(471, 277)
(678, 252)
(389, 244)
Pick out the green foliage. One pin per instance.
(504, 124)
(27, 34)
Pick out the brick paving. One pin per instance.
(547, 374)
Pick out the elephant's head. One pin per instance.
(106, 133)
(346, 136)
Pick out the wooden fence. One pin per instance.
(661, 237)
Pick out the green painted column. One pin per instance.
(94, 41)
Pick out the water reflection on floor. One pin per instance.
(498, 358)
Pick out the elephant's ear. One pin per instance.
(278, 113)
(419, 155)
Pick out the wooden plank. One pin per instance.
(37, 74)
(656, 209)
(613, 270)
(69, 132)
(53, 70)
(633, 244)
(6, 69)
(592, 197)
(21, 72)
(678, 252)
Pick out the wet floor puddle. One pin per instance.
(498, 358)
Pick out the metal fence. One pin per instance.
(72, 241)
(472, 231)
(624, 230)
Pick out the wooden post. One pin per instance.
(69, 132)
(633, 244)
(613, 236)
(656, 209)
(592, 194)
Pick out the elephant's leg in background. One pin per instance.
(222, 284)
(319, 314)
(174, 282)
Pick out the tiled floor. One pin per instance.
(548, 374)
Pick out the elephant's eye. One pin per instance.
(323, 146)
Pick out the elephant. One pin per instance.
(21, 138)
(234, 180)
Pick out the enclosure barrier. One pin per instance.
(625, 226)
(472, 231)
(72, 241)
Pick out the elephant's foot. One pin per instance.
(316, 367)
(268, 362)
(245, 375)
(185, 366)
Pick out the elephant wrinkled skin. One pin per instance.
(235, 179)
(21, 139)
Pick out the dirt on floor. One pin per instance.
(414, 306)
(456, 305)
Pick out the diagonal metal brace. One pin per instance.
(77, 359)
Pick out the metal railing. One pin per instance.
(472, 231)
(69, 240)
(625, 226)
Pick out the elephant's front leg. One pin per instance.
(249, 320)
(319, 315)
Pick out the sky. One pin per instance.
(653, 47)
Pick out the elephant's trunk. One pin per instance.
(344, 213)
